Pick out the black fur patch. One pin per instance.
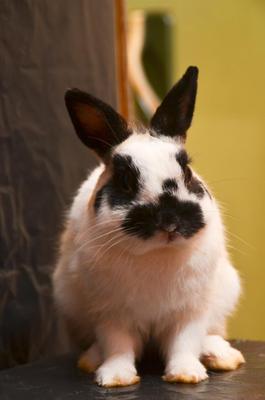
(124, 185)
(169, 184)
(145, 220)
(196, 187)
(173, 117)
(193, 184)
(183, 159)
(186, 215)
(96, 123)
(141, 221)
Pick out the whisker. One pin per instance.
(120, 240)
(99, 140)
(104, 245)
(225, 214)
(96, 227)
(228, 180)
(126, 248)
(236, 249)
(240, 239)
(99, 224)
(99, 237)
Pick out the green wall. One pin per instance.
(227, 140)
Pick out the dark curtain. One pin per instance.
(45, 47)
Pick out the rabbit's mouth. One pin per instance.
(170, 233)
(171, 236)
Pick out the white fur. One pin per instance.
(117, 369)
(117, 290)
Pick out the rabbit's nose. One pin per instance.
(171, 231)
(168, 228)
(168, 224)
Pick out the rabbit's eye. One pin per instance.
(183, 159)
(126, 177)
(187, 175)
(127, 183)
(193, 184)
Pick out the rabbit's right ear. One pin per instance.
(173, 117)
(97, 124)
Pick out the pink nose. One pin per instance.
(169, 228)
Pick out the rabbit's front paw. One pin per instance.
(185, 369)
(218, 355)
(116, 372)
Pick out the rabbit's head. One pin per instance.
(149, 195)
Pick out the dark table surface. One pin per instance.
(60, 379)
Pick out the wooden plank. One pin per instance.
(121, 57)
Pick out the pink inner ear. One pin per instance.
(94, 127)
(96, 123)
(91, 120)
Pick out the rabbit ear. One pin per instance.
(173, 117)
(97, 124)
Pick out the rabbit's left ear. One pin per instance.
(96, 123)
(173, 117)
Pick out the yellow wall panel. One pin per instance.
(226, 39)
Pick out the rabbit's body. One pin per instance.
(144, 289)
(147, 263)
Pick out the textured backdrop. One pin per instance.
(45, 48)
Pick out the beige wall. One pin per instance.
(226, 39)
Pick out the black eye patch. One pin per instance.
(124, 185)
(126, 175)
(192, 184)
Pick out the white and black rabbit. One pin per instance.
(143, 254)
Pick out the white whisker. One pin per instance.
(99, 237)
(120, 239)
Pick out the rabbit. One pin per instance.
(143, 254)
